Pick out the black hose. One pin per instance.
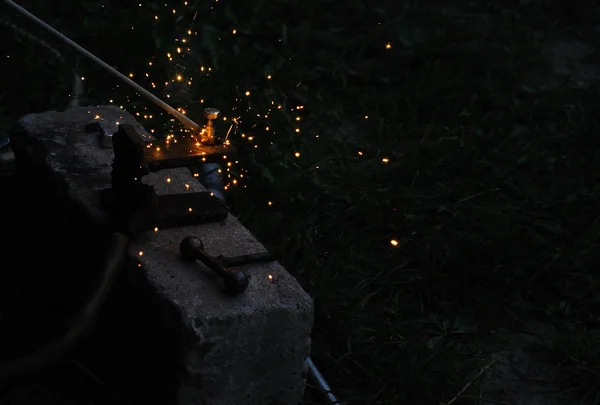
(55, 351)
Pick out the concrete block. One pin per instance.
(249, 349)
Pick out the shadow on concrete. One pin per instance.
(50, 261)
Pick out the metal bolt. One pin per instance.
(235, 281)
(210, 116)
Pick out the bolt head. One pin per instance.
(190, 246)
(236, 283)
(211, 113)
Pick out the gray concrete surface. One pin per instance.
(249, 349)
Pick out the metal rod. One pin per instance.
(182, 118)
(321, 383)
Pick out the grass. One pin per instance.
(486, 182)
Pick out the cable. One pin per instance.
(321, 383)
(56, 350)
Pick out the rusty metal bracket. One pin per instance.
(235, 281)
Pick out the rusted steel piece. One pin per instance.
(234, 281)
(186, 152)
(151, 156)
(242, 260)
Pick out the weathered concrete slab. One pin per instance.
(249, 349)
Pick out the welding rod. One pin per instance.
(182, 118)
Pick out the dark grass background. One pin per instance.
(490, 188)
